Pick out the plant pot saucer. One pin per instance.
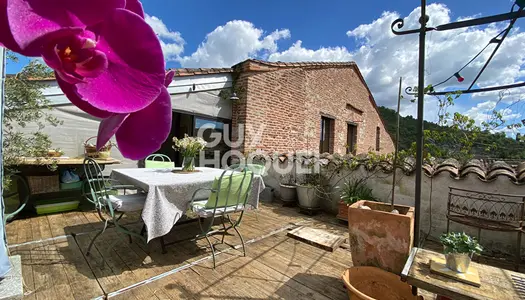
(309, 210)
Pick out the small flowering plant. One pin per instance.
(189, 146)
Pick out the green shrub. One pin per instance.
(355, 190)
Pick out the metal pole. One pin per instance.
(420, 110)
(500, 41)
(5, 265)
(397, 145)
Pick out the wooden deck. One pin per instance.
(276, 266)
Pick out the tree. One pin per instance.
(25, 104)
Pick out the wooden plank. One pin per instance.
(57, 223)
(470, 277)
(101, 271)
(43, 282)
(37, 161)
(495, 283)
(11, 231)
(313, 272)
(317, 237)
(57, 273)
(119, 268)
(25, 233)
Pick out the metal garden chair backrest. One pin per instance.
(229, 193)
(98, 188)
(255, 168)
(158, 161)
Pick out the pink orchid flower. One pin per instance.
(150, 126)
(107, 60)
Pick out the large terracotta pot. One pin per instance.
(342, 212)
(378, 237)
(369, 283)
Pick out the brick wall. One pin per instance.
(282, 108)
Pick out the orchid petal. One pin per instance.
(145, 131)
(70, 92)
(94, 66)
(6, 37)
(136, 7)
(108, 127)
(31, 20)
(169, 78)
(135, 72)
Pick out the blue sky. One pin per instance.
(211, 33)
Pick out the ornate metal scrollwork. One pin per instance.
(399, 23)
(411, 90)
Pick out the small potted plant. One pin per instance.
(459, 249)
(351, 192)
(288, 189)
(189, 147)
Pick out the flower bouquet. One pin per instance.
(189, 147)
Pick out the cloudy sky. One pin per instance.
(210, 33)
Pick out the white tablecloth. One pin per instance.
(169, 194)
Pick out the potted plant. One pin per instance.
(307, 191)
(351, 192)
(288, 189)
(459, 249)
(189, 147)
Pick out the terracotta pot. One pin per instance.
(378, 237)
(369, 283)
(342, 213)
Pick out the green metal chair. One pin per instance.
(255, 168)
(21, 183)
(228, 195)
(111, 207)
(159, 161)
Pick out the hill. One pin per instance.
(500, 145)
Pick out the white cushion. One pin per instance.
(200, 209)
(127, 203)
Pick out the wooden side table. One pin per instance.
(496, 283)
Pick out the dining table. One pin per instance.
(169, 193)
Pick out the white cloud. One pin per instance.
(232, 43)
(171, 41)
(482, 112)
(384, 57)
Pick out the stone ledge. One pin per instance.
(11, 287)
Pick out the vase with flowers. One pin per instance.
(189, 147)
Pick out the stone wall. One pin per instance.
(281, 108)
(496, 178)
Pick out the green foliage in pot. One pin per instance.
(310, 180)
(455, 242)
(355, 190)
